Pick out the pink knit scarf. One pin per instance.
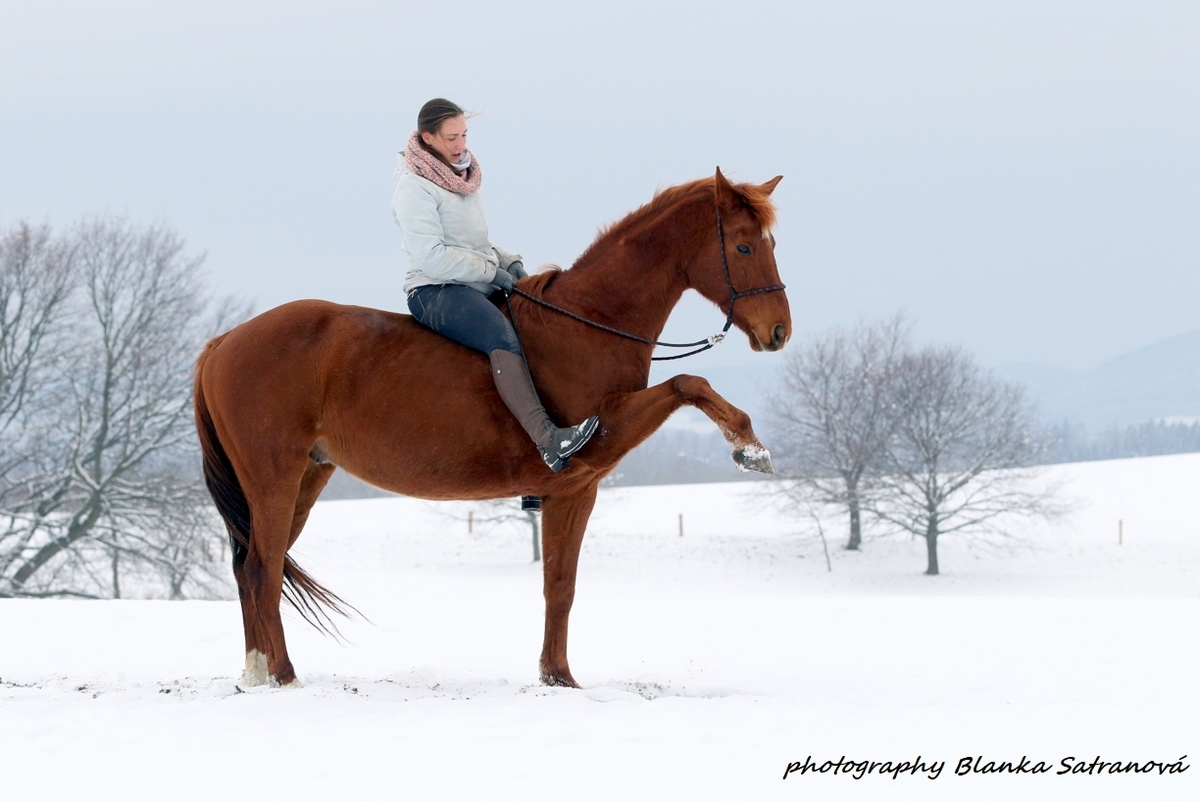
(423, 163)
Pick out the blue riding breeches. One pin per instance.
(464, 315)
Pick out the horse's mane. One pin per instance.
(753, 197)
(537, 283)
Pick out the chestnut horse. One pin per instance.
(285, 398)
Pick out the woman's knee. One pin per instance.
(510, 343)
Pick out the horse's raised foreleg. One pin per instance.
(564, 520)
(629, 418)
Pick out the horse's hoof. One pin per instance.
(563, 680)
(753, 459)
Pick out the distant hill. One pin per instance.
(1159, 381)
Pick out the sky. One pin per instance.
(1022, 179)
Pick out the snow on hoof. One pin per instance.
(753, 459)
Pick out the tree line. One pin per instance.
(917, 439)
(1073, 442)
(100, 492)
(679, 456)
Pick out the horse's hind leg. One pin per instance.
(255, 672)
(277, 522)
(260, 582)
(564, 520)
(279, 508)
(264, 583)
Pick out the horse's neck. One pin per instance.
(637, 302)
(634, 284)
(630, 280)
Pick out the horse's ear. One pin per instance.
(725, 191)
(770, 185)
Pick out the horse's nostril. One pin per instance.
(779, 335)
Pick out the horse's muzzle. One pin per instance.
(778, 338)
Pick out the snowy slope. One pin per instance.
(710, 661)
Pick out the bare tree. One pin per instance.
(960, 450)
(834, 413)
(107, 483)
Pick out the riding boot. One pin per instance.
(517, 391)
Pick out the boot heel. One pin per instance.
(557, 464)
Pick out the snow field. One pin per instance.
(709, 661)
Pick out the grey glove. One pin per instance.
(503, 281)
(517, 270)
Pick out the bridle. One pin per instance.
(704, 344)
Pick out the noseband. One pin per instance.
(700, 345)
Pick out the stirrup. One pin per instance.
(566, 441)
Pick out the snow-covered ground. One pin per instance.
(710, 661)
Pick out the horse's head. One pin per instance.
(751, 288)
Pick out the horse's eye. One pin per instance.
(744, 250)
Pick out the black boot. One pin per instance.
(565, 441)
(516, 390)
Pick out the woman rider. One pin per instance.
(453, 268)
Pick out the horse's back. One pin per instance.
(356, 384)
(307, 325)
(318, 349)
(313, 338)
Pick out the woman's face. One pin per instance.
(450, 142)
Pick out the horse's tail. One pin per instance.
(301, 590)
(219, 476)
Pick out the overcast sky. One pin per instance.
(1023, 178)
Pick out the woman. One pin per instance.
(453, 268)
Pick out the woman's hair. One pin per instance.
(434, 113)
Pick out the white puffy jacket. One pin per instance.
(445, 235)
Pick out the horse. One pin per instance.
(284, 399)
